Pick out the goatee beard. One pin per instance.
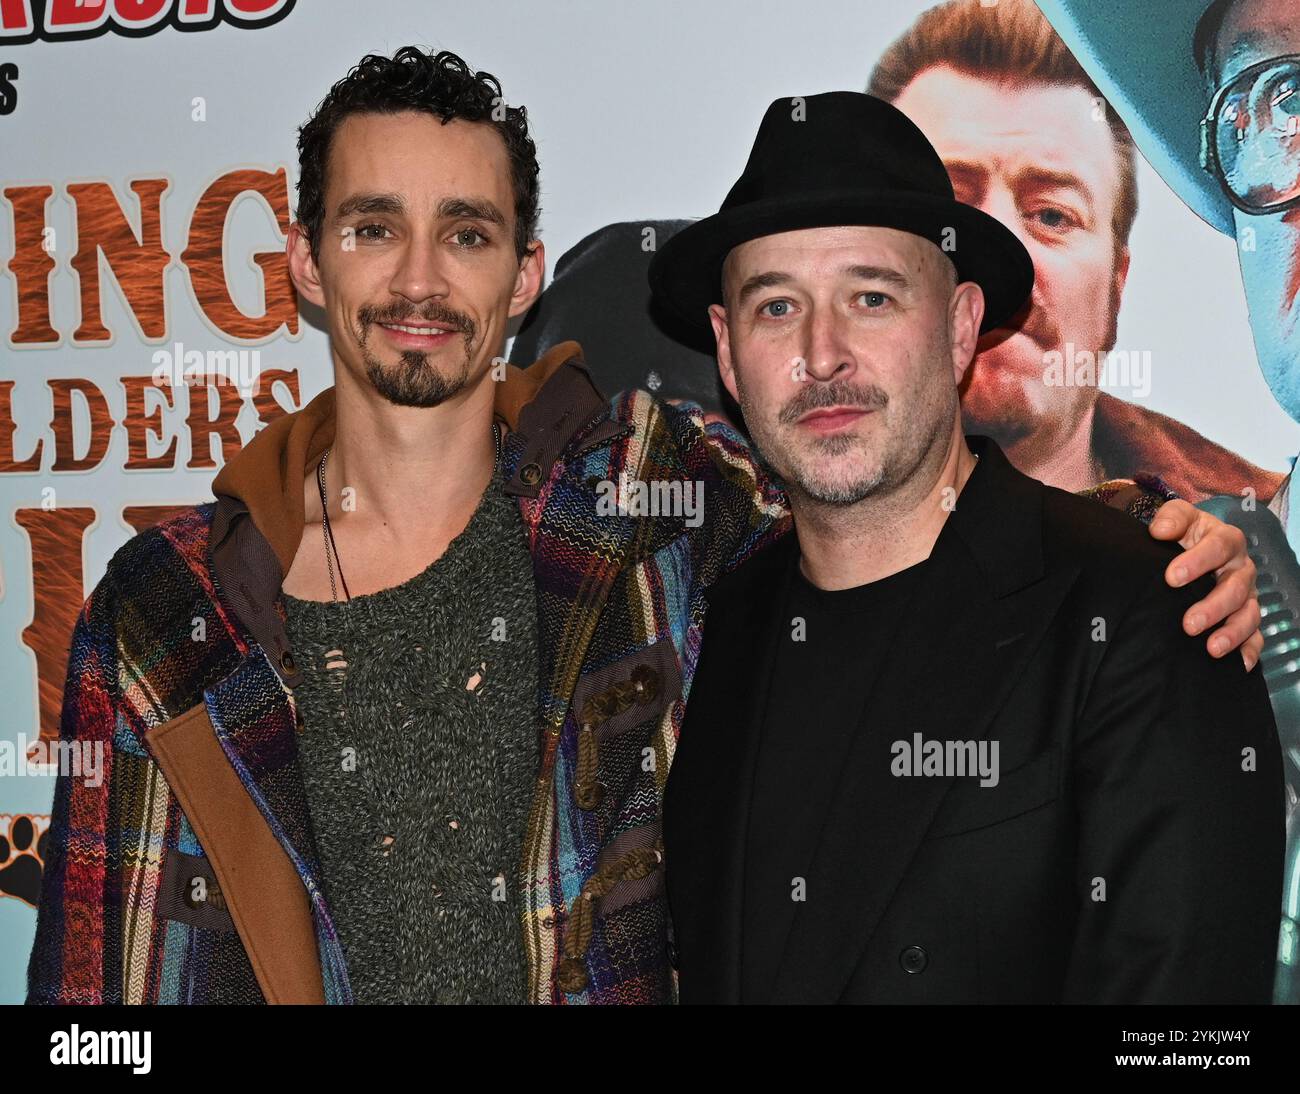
(414, 381)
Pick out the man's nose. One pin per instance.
(828, 353)
(421, 271)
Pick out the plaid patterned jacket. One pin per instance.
(189, 875)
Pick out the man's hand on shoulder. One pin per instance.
(1210, 546)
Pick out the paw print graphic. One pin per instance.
(22, 857)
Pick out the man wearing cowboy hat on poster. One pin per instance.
(1211, 94)
(946, 743)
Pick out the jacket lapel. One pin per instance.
(236, 755)
(232, 763)
(578, 548)
(255, 725)
(981, 613)
(251, 719)
(711, 791)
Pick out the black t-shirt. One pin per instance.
(827, 663)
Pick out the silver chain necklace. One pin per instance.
(331, 549)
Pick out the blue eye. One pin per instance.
(874, 299)
(1051, 217)
(774, 304)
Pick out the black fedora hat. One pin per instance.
(842, 158)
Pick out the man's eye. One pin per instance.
(371, 231)
(1052, 217)
(874, 300)
(776, 309)
(470, 238)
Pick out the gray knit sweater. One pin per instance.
(419, 752)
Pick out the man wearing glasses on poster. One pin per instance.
(1211, 94)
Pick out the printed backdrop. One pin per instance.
(147, 170)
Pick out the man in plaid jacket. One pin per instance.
(190, 873)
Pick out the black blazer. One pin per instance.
(1133, 766)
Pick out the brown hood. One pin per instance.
(267, 474)
(1127, 438)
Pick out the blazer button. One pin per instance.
(530, 474)
(572, 975)
(646, 681)
(588, 795)
(288, 663)
(913, 959)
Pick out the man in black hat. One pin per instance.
(947, 743)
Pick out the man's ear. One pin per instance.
(722, 336)
(528, 282)
(965, 314)
(302, 266)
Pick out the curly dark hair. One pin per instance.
(441, 84)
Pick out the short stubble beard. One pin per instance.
(799, 469)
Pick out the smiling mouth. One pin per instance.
(417, 331)
(418, 336)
